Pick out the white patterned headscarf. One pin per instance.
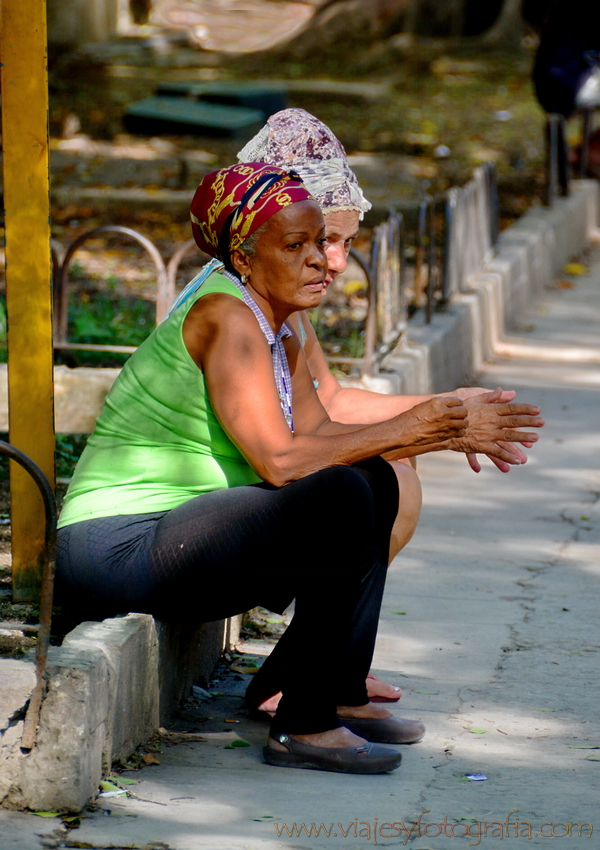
(293, 138)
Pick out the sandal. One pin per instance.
(367, 758)
(379, 684)
(258, 712)
(387, 730)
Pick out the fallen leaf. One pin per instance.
(477, 731)
(250, 669)
(105, 785)
(584, 747)
(150, 758)
(239, 742)
(565, 284)
(352, 287)
(575, 268)
(398, 612)
(46, 814)
(264, 818)
(181, 737)
(591, 758)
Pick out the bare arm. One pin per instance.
(348, 404)
(222, 336)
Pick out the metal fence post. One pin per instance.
(28, 276)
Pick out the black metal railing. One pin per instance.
(444, 258)
(46, 594)
(558, 160)
(558, 168)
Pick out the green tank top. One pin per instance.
(157, 442)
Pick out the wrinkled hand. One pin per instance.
(469, 392)
(435, 421)
(493, 430)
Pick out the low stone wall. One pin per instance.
(439, 356)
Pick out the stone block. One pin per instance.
(188, 653)
(448, 340)
(130, 647)
(101, 702)
(17, 680)
(78, 397)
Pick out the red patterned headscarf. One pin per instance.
(230, 204)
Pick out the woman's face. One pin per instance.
(289, 266)
(341, 228)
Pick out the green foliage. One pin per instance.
(346, 337)
(67, 453)
(101, 318)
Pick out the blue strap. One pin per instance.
(195, 283)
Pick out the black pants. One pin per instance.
(322, 540)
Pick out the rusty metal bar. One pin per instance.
(557, 159)
(47, 591)
(426, 245)
(174, 264)
(586, 132)
(164, 295)
(84, 346)
(493, 201)
(367, 362)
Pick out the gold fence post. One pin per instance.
(28, 276)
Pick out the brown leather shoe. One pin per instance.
(364, 759)
(387, 730)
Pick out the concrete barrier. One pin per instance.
(110, 685)
(101, 703)
(440, 356)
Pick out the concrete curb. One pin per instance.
(110, 684)
(102, 701)
(438, 357)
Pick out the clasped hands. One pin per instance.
(494, 427)
(474, 420)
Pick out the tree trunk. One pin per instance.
(508, 30)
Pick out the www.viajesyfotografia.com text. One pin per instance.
(471, 830)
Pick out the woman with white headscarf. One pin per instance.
(293, 138)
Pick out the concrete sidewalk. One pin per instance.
(497, 651)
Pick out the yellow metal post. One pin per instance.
(28, 276)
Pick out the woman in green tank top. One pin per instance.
(203, 488)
